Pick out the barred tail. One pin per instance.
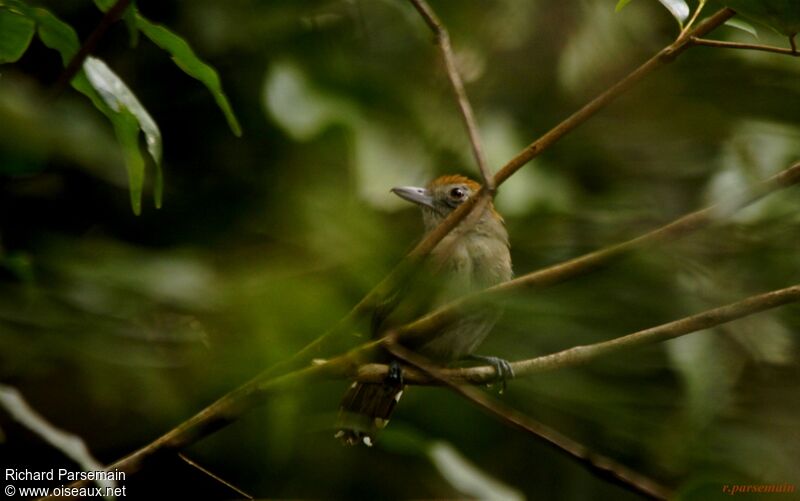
(365, 410)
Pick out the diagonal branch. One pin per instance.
(214, 476)
(433, 322)
(443, 40)
(663, 57)
(603, 466)
(239, 401)
(577, 355)
(317, 347)
(216, 416)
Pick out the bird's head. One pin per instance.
(441, 197)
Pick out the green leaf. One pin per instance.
(781, 15)
(678, 8)
(59, 36)
(128, 17)
(187, 60)
(16, 32)
(621, 5)
(114, 99)
(121, 100)
(743, 25)
(126, 127)
(56, 34)
(104, 5)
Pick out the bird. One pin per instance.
(470, 258)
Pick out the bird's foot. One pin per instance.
(395, 375)
(501, 366)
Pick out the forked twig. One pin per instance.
(697, 10)
(443, 40)
(597, 463)
(316, 347)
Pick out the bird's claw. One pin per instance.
(501, 366)
(395, 375)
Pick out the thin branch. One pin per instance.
(696, 14)
(232, 405)
(219, 414)
(317, 347)
(665, 56)
(746, 46)
(88, 46)
(443, 40)
(372, 373)
(602, 466)
(214, 476)
(434, 321)
(239, 401)
(228, 408)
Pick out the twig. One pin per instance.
(214, 476)
(372, 373)
(603, 466)
(431, 240)
(229, 407)
(88, 46)
(666, 55)
(219, 414)
(237, 402)
(232, 405)
(747, 46)
(443, 40)
(546, 276)
(581, 265)
(696, 14)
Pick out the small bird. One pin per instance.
(468, 259)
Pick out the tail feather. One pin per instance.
(365, 410)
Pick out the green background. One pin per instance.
(117, 327)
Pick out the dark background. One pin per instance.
(117, 327)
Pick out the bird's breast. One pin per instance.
(473, 262)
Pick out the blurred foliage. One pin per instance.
(103, 87)
(117, 327)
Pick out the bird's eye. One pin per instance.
(457, 193)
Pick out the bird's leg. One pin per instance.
(395, 375)
(793, 43)
(501, 366)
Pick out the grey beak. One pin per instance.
(414, 194)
